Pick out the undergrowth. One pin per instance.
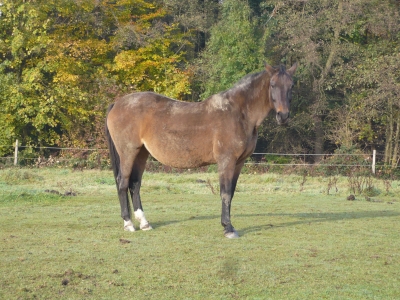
(29, 184)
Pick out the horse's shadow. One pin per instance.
(309, 218)
(302, 218)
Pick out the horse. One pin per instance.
(220, 130)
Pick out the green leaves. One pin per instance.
(234, 48)
(347, 52)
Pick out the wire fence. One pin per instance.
(98, 157)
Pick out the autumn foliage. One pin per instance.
(63, 61)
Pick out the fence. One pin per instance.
(257, 158)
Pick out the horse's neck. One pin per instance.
(255, 100)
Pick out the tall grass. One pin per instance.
(294, 244)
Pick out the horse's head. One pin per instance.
(280, 90)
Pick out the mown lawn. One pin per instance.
(296, 241)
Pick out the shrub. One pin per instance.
(343, 162)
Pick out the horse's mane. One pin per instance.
(282, 70)
(246, 81)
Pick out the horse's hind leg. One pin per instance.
(124, 173)
(135, 182)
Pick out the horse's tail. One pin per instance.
(114, 156)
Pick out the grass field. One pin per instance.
(297, 242)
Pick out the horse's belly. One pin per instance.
(182, 154)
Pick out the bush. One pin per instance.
(277, 159)
(343, 162)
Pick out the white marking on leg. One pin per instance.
(232, 235)
(128, 226)
(144, 225)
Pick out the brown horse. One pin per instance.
(220, 130)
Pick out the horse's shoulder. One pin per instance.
(219, 102)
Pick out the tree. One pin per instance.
(233, 50)
(62, 62)
(24, 40)
(332, 39)
(370, 80)
(196, 17)
(150, 52)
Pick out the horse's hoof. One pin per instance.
(232, 235)
(128, 226)
(146, 227)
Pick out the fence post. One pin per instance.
(16, 153)
(373, 161)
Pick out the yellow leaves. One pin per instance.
(32, 75)
(125, 60)
(65, 77)
(87, 5)
(66, 58)
(156, 64)
(17, 42)
(175, 84)
(69, 60)
(148, 68)
(80, 49)
(154, 15)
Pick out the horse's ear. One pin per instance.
(292, 69)
(270, 70)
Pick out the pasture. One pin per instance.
(297, 241)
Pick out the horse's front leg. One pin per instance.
(228, 178)
(226, 197)
(227, 183)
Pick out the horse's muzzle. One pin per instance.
(282, 118)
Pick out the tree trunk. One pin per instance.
(389, 135)
(318, 88)
(319, 138)
(396, 143)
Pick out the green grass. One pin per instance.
(296, 241)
